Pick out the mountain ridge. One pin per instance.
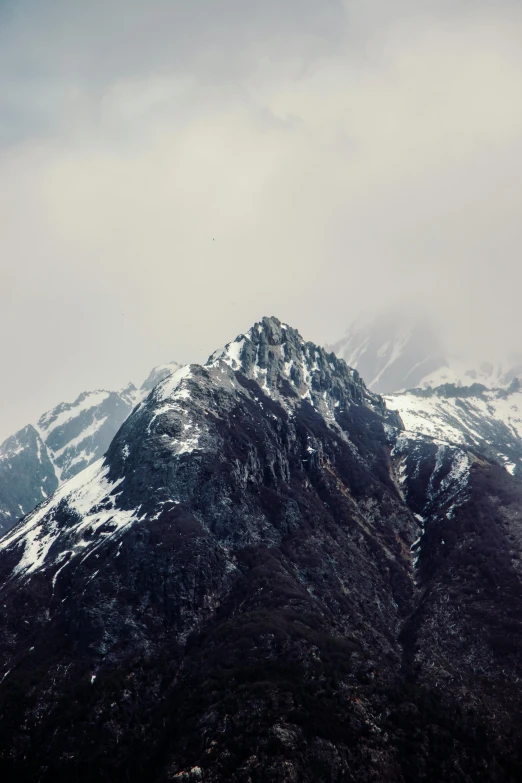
(267, 577)
(64, 441)
(489, 420)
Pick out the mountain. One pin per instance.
(500, 374)
(392, 352)
(487, 420)
(266, 578)
(64, 441)
(396, 351)
(27, 475)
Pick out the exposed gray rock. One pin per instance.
(266, 578)
(27, 475)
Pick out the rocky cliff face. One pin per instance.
(266, 579)
(64, 441)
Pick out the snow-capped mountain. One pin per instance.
(391, 352)
(267, 577)
(64, 441)
(493, 375)
(486, 420)
(394, 352)
(181, 405)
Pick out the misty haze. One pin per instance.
(261, 409)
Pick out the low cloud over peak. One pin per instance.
(171, 171)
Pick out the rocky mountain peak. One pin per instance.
(278, 358)
(263, 580)
(265, 378)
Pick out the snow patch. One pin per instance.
(53, 419)
(167, 387)
(90, 496)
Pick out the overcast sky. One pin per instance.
(170, 171)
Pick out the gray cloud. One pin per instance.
(171, 171)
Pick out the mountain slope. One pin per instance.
(27, 475)
(266, 578)
(64, 441)
(488, 420)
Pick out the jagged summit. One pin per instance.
(270, 365)
(276, 356)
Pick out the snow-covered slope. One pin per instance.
(485, 420)
(89, 495)
(64, 441)
(158, 374)
(78, 433)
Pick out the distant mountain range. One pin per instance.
(445, 399)
(65, 440)
(475, 417)
(394, 352)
